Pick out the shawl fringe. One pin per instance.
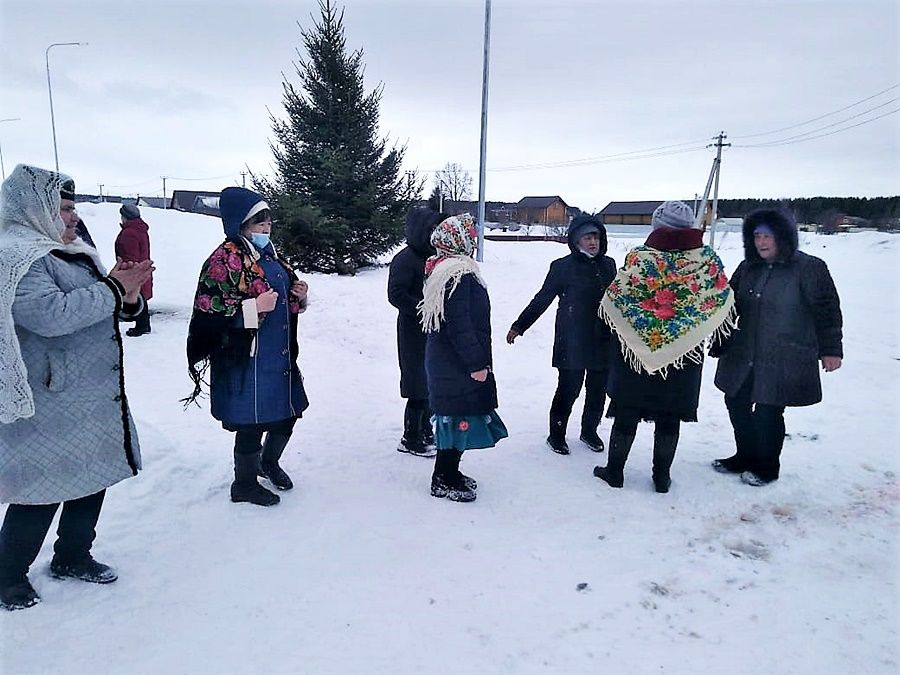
(448, 271)
(693, 355)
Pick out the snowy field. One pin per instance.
(360, 570)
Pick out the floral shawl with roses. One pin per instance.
(664, 304)
(229, 276)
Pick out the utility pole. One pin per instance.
(50, 91)
(484, 109)
(101, 192)
(713, 177)
(164, 191)
(715, 208)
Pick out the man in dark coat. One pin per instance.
(405, 281)
(582, 338)
(133, 245)
(789, 320)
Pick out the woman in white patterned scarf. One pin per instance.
(456, 316)
(66, 433)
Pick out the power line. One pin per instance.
(230, 175)
(820, 117)
(779, 141)
(810, 138)
(595, 160)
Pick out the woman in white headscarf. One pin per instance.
(66, 433)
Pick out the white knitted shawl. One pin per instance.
(449, 271)
(30, 227)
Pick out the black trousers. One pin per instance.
(569, 387)
(248, 440)
(26, 525)
(758, 432)
(627, 420)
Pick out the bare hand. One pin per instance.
(265, 302)
(132, 275)
(479, 376)
(512, 335)
(831, 363)
(299, 289)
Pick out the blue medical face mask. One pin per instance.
(260, 240)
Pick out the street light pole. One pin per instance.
(484, 107)
(2, 168)
(50, 91)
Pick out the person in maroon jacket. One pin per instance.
(133, 245)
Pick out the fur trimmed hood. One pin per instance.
(783, 227)
(578, 224)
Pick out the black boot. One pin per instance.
(245, 487)
(85, 569)
(590, 420)
(268, 462)
(453, 466)
(734, 464)
(427, 432)
(664, 446)
(614, 471)
(18, 594)
(412, 441)
(445, 482)
(557, 438)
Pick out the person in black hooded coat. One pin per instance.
(789, 320)
(405, 280)
(581, 343)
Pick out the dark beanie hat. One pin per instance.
(67, 190)
(130, 211)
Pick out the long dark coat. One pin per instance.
(405, 281)
(789, 316)
(462, 346)
(581, 339)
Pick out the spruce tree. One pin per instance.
(337, 194)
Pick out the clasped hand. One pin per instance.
(132, 275)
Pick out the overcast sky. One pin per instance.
(183, 89)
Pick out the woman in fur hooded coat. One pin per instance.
(789, 321)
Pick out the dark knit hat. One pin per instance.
(67, 190)
(673, 214)
(130, 211)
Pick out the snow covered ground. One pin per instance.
(360, 570)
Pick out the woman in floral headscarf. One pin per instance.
(666, 300)
(244, 328)
(456, 316)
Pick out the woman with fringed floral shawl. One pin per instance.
(244, 329)
(456, 317)
(669, 297)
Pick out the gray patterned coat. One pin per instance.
(81, 438)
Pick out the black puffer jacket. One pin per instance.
(582, 338)
(405, 281)
(789, 317)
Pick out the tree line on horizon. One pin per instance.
(820, 210)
